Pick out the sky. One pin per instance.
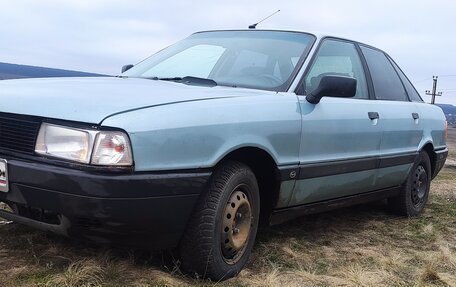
(103, 35)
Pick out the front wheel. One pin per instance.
(414, 193)
(222, 230)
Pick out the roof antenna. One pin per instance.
(253, 26)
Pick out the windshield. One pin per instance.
(252, 59)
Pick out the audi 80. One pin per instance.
(197, 145)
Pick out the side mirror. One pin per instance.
(333, 86)
(126, 68)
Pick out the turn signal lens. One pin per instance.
(112, 148)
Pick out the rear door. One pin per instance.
(340, 141)
(398, 119)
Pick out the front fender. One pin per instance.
(199, 134)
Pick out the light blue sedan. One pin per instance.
(195, 146)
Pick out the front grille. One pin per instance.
(18, 133)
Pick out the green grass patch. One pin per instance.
(447, 173)
(34, 276)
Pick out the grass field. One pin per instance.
(359, 246)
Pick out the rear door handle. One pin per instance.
(415, 116)
(373, 115)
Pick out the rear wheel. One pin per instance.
(414, 193)
(221, 232)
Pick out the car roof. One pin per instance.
(317, 34)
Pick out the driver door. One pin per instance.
(340, 141)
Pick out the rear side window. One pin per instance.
(387, 85)
(411, 91)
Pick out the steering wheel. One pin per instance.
(273, 79)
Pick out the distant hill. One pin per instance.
(14, 71)
(450, 113)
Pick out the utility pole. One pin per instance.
(434, 90)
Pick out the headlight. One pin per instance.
(111, 148)
(63, 142)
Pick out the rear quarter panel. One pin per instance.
(199, 134)
(433, 122)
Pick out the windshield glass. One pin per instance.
(252, 59)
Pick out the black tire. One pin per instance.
(415, 191)
(203, 248)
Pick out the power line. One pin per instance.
(442, 76)
(416, 82)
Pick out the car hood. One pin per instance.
(93, 99)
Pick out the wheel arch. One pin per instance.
(429, 149)
(264, 166)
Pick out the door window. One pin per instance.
(411, 91)
(337, 58)
(387, 85)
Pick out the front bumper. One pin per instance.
(139, 210)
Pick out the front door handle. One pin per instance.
(415, 116)
(373, 115)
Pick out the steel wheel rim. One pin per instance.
(236, 226)
(419, 186)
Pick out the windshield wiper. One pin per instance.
(188, 80)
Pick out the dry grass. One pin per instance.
(451, 142)
(359, 246)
